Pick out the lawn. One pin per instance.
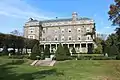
(66, 70)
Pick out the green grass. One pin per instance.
(66, 70)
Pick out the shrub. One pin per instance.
(73, 51)
(59, 55)
(118, 57)
(35, 52)
(47, 52)
(113, 51)
(66, 50)
(103, 58)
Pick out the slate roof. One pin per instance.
(58, 20)
(68, 19)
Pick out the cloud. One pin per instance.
(107, 27)
(20, 9)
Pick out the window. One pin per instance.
(79, 38)
(69, 38)
(43, 31)
(31, 37)
(55, 31)
(78, 29)
(43, 39)
(56, 38)
(31, 28)
(88, 38)
(69, 30)
(62, 38)
(62, 30)
(83, 45)
(88, 29)
(31, 31)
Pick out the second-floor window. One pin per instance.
(55, 38)
(62, 30)
(43, 39)
(62, 38)
(78, 37)
(69, 38)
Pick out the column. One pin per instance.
(56, 46)
(74, 45)
(50, 48)
(44, 46)
(80, 48)
(68, 46)
(86, 47)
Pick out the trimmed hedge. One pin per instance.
(96, 58)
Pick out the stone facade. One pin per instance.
(70, 32)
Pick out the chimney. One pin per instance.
(74, 16)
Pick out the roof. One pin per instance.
(32, 21)
(68, 19)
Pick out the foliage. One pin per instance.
(114, 12)
(60, 55)
(5, 51)
(73, 51)
(35, 52)
(66, 50)
(16, 42)
(113, 51)
(98, 49)
(47, 52)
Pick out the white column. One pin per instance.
(80, 47)
(56, 46)
(86, 47)
(68, 45)
(50, 48)
(74, 45)
(44, 46)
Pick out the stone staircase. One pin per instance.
(44, 63)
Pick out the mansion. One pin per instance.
(71, 32)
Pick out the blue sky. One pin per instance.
(14, 13)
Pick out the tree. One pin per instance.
(113, 51)
(16, 33)
(114, 13)
(98, 49)
(60, 55)
(35, 52)
(73, 51)
(66, 50)
(47, 52)
(114, 16)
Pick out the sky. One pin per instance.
(14, 13)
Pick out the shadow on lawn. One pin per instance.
(7, 74)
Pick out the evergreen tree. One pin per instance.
(35, 52)
(47, 52)
(66, 50)
(113, 50)
(73, 51)
(60, 55)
